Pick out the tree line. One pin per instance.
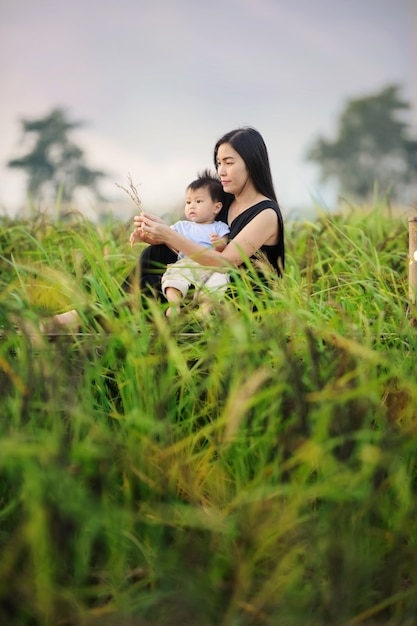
(373, 146)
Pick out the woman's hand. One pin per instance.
(137, 236)
(142, 233)
(154, 228)
(138, 220)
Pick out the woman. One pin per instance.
(251, 211)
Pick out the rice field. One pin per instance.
(256, 468)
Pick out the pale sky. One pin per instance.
(159, 81)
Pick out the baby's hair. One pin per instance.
(212, 182)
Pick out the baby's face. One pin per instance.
(199, 206)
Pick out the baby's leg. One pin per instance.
(175, 284)
(174, 297)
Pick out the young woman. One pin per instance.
(251, 211)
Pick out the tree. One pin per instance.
(372, 147)
(54, 164)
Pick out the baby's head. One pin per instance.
(213, 184)
(204, 198)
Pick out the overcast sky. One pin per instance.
(159, 81)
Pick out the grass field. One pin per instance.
(255, 469)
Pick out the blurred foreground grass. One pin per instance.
(257, 469)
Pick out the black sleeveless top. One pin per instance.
(275, 254)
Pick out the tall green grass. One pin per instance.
(256, 468)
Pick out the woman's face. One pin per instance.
(232, 170)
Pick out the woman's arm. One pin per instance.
(261, 230)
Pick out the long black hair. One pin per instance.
(250, 145)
